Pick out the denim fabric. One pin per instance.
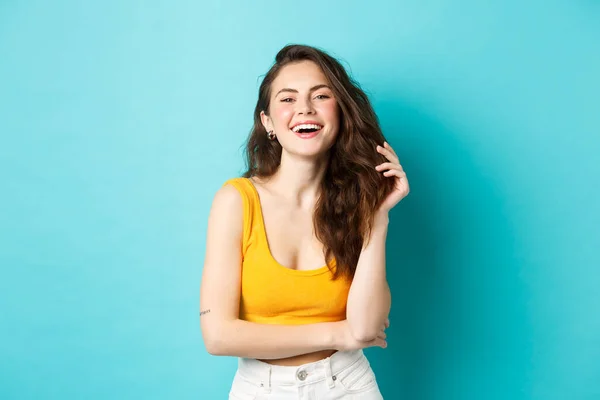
(344, 375)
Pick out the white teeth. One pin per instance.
(306, 126)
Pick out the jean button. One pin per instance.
(302, 375)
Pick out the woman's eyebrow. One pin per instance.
(322, 85)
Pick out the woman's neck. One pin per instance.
(298, 181)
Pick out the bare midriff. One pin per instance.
(302, 358)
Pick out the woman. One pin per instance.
(294, 281)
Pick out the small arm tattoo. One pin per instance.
(204, 312)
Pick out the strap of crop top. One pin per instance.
(249, 205)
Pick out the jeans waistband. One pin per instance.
(267, 374)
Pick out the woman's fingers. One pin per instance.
(388, 154)
(379, 341)
(388, 165)
(387, 146)
(398, 173)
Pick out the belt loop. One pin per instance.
(328, 373)
(268, 385)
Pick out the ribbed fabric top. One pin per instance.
(274, 294)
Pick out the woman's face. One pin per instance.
(303, 112)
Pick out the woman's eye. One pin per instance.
(286, 100)
(322, 96)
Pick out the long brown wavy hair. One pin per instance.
(351, 190)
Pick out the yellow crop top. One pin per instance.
(274, 294)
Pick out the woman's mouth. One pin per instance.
(307, 131)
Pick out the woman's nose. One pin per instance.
(304, 107)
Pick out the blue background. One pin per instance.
(120, 120)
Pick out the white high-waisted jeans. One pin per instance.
(344, 375)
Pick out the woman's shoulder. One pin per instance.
(236, 198)
(236, 186)
(234, 180)
(238, 182)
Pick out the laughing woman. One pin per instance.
(294, 280)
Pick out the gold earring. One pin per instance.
(271, 135)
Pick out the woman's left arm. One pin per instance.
(370, 299)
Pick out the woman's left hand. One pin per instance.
(392, 169)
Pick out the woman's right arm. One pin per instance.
(222, 331)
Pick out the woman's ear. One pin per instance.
(266, 121)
